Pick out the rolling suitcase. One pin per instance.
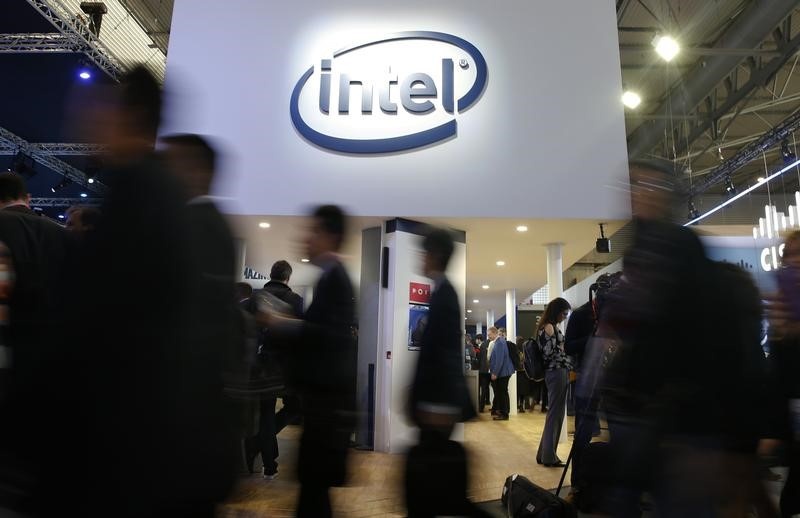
(524, 499)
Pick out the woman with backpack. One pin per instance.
(557, 366)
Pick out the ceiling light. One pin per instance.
(60, 216)
(485, 286)
(264, 224)
(476, 301)
(666, 47)
(761, 179)
(469, 311)
(305, 260)
(90, 180)
(84, 195)
(522, 228)
(500, 263)
(85, 74)
(631, 99)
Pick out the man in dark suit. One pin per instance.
(439, 397)
(37, 249)
(324, 366)
(217, 347)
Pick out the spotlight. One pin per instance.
(631, 99)
(693, 212)
(730, 188)
(90, 180)
(666, 47)
(60, 185)
(787, 153)
(84, 74)
(305, 260)
(84, 195)
(95, 10)
(60, 216)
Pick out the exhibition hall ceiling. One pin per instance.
(488, 241)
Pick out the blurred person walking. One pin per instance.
(557, 367)
(501, 369)
(784, 363)
(36, 251)
(436, 469)
(327, 385)
(145, 379)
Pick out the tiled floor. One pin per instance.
(497, 449)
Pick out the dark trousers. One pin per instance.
(790, 498)
(314, 502)
(502, 400)
(484, 380)
(267, 432)
(586, 424)
(539, 392)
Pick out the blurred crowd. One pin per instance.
(136, 374)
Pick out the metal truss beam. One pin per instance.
(65, 202)
(756, 23)
(47, 42)
(55, 149)
(750, 152)
(73, 28)
(76, 175)
(758, 77)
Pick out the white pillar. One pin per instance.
(489, 319)
(511, 335)
(555, 272)
(478, 328)
(555, 283)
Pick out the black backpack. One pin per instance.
(513, 352)
(534, 360)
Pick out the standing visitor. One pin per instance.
(501, 369)
(557, 367)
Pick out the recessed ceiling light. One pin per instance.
(522, 228)
(304, 260)
(469, 311)
(666, 47)
(761, 179)
(631, 99)
(264, 224)
(84, 195)
(500, 263)
(485, 286)
(476, 301)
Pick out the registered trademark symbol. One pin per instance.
(463, 63)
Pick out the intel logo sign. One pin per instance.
(397, 93)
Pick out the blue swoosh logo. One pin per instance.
(403, 142)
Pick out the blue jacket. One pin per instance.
(500, 363)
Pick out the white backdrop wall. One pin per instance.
(548, 130)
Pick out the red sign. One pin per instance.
(419, 293)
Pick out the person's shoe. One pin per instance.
(521, 410)
(500, 417)
(558, 464)
(272, 475)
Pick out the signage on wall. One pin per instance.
(772, 226)
(427, 89)
(419, 293)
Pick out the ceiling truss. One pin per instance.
(79, 34)
(54, 149)
(9, 139)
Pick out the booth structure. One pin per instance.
(393, 310)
